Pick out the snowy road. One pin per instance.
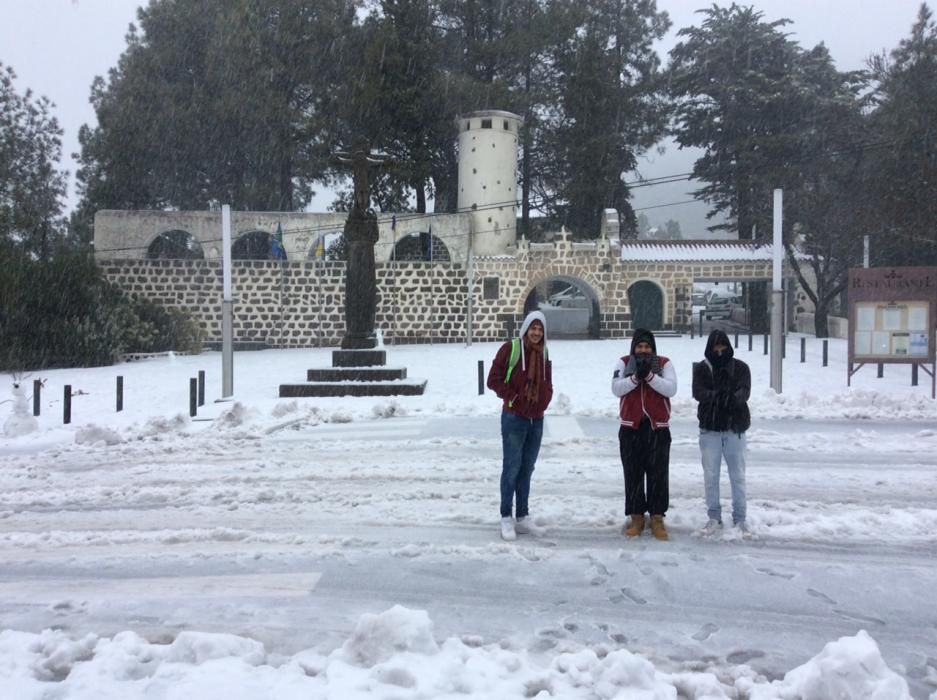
(287, 534)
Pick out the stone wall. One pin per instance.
(301, 304)
(121, 234)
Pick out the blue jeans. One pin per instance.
(520, 441)
(714, 445)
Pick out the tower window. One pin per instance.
(468, 125)
(486, 123)
(490, 288)
(507, 125)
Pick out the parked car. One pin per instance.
(720, 307)
(569, 298)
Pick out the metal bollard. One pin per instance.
(766, 343)
(783, 345)
(201, 387)
(914, 374)
(803, 350)
(881, 371)
(749, 341)
(67, 410)
(193, 396)
(120, 394)
(736, 341)
(701, 323)
(37, 391)
(826, 353)
(481, 377)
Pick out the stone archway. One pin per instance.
(569, 304)
(176, 244)
(646, 300)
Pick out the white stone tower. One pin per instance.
(488, 178)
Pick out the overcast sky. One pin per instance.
(57, 47)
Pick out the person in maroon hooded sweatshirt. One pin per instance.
(644, 381)
(522, 377)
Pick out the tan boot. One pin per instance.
(658, 529)
(635, 527)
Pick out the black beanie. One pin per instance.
(642, 335)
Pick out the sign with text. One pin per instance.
(892, 316)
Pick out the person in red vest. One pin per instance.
(522, 377)
(644, 381)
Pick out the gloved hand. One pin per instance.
(642, 366)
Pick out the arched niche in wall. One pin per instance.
(646, 300)
(257, 245)
(175, 245)
(421, 246)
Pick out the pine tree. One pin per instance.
(905, 123)
(609, 109)
(217, 101)
(31, 186)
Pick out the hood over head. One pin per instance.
(645, 336)
(531, 317)
(718, 336)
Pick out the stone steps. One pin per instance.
(356, 373)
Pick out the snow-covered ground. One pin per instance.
(348, 548)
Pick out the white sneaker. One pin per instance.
(711, 527)
(507, 529)
(526, 526)
(742, 528)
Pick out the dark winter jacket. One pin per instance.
(722, 385)
(514, 392)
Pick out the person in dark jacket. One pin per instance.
(644, 381)
(522, 377)
(722, 385)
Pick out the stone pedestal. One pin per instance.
(356, 373)
(360, 282)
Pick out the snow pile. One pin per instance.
(377, 638)
(850, 667)
(97, 435)
(393, 654)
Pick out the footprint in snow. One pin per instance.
(778, 574)
(743, 657)
(705, 632)
(859, 618)
(822, 596)
(633, 597)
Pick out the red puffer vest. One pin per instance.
(644, 401)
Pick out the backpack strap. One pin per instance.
(512, 361)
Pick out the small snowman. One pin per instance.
(21, 421)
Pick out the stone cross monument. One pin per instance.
(360, 236)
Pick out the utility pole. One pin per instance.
(777, 295)
(227, 308)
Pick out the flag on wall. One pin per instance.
(277, 252)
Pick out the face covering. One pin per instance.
(719, 360)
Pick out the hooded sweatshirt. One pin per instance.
(648, 398)
(529, 390)
(722, 385)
